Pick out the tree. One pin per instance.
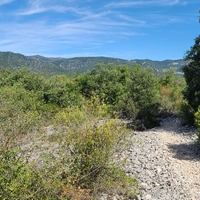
(129, 91)
(192, 75)
(142, 89)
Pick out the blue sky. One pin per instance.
(128, 29)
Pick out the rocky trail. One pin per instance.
(166, 162)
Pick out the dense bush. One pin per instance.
(171, 98)
(141, 89)
(58, 90)
(191, 74)
(20, 181)
(62, 91)
(197, 122)
(90, 143)
(130, 91)
(23, 76)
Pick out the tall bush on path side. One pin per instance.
(197, 123)
(90, 144)
(192, 76)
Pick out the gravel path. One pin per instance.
(166, 162)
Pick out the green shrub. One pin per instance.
(142, 89)
(171, 87)
(87, 150)
(130, 91)
(61, 91)
(28, 79)
(191, 74)
(197, 122)
(20, 181)
(91, 149)
(186, 114)
(25, 100)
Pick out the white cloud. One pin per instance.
(41, 9)
(40, 6)
(2, 2)
(144, 3)
(37, 8)
(131, 19)
(39, 36)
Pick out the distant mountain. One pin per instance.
(79, 64)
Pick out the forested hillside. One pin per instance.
(71, 66)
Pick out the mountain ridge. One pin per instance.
(71, 66)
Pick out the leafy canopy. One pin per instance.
(192, 75)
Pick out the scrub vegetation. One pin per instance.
(60, 135)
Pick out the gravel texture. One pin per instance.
(166, 162)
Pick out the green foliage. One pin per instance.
(168, 77)
(62, 91)
(76, 114)
(92, 149)
(24, 77)
(107, 82)
(91, 144)
(130, 91)
(197, 122)
(70, 129)
(142, 89)
(26, 100)
(56, 90)
(19, 180)
(82, 165)
(192, 77)
(19, 110)
(15, 181)
(115, 181)
(170, 87)
(186, 113)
